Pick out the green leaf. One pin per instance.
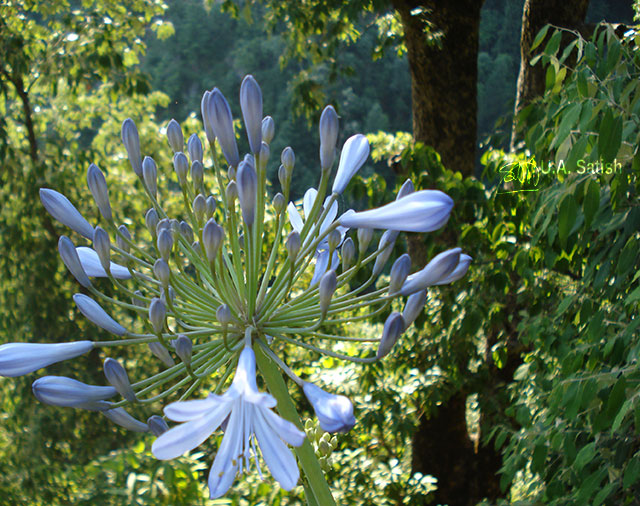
(566, 217)
(632, 472)
(540, 37)
(585, 455)
(591, 202)
(628, 404)
(609, 136)
(617, 397)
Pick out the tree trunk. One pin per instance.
(442, 46)
(535, 15)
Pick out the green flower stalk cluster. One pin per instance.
(211, 294)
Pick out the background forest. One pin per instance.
(519, 384)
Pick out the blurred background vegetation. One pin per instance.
(518, 385)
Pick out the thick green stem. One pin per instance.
(306, 455)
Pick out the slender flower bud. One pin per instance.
(194, 147)
(413, 307)
(251, 105)
(92, 266)
(197, 174)
(212, 236)
(70, 258)
(406, 188)
(435, 271)
(124, 419)
(151, 220)
(131, 142)
(118, 377)
(157, 425)
(328, 285)
(175, 137)
(171, 293)
(422, 211)
(150, 175)
(223, 314)
(334, 239)
(278, 203)
(137, 299)
(211, 206)
(348, 253)
(219, 114)
(292, 245)
(399, 272)
(206, 120)
(58, 206)
(460, 270)
(17, 359)
(123, 239)
(231, 172)
(393, 327)
(364, 238)
(98, 186)
(102, 246)
(96, 315)
(387, 241)
(328, 137)
(184, 348)
(247, 181)
(70, 393)
(268, 129)
(163, 224)
(161, 352)
(157, 314)
(165, 243)
(283, 177)
(181, 166)
(265, 152)
(288, 159)
(199, 207)
(354, 153)
(161, 271)
(186, 231)
(334, 412)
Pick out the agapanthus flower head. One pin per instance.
(233, 271)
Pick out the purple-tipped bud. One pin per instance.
(328, 137)
(212, 236)
(206, 120)
(348, 253)
(98, 186)
(197, 174)
(121, 417)
(251, 105)
(181, 166)
(175, 137)
(283, 177)
(268, 129)
(157, 425)
(211, 206)
(364, 238)
(278, 203)
(184, 348)
(354, 153)
(157, 314)
(123, 239)
(17, 359)
(334, 412)
(194, 147)
(163, 224)
(102, 246)
(186, 231)
(199, 207)
(58, 206)
(131, 143)
(328, 285)
(334, 239)
(265, 152)
(96, 315)
(70, 258)
(393, 328)
(437, 270)
(399, 272)
(459, 272)
(288, 159)
(162, 271)
(385, 246)
(247, 181)
(161, 353)
(231, 191)
(165, 243)
(70, 393)
(223, 314)
(151, 220)
(293, 244)
(414, 306)
(219, 114)
(150, 175)
(119, 379)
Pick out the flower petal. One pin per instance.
(58, 206)
(284, 428)
(225, 465)
(354, 153)
(184, 411)
(294, 217)
(308, 201)
(91, 264)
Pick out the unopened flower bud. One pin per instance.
(175, 137)
(199, 207)
(195, 245)
(413, 307)
(364, 239)
(283, 177)
(264, 157)
(170, 296)
(59, 206)
(165, 243)
(268, 129)
(162, 271)
(278, 203)
(121, 417)
(328, 137)
(150, 175)
(293, 244)
(117, 376)
(70, 258)
(17, 359)
(123, 239)
(157, 315)
(181, 166)
(197, 174)
(151, 220)
(102, 246)
(385, 246)
(161, 352)
(437, 270)
(223, 314)
(186, 231)
(137, 299)
(219, 114)
(70, 393)
(354, 153)
(163, 224)
(393, 327)
(247, 181)
(175, 226)
(334, 412)
(288, 159)
(96, 315)
(334, 239)
(251, 105)
(132, 144)
(98, 186)
(157, 425)
(206, 120)
(184, 348)
(212, 236)
(348, 253)
(328, 285)
(399, 272)
(194, 147)
(211, 206)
